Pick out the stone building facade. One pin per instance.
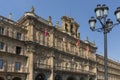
(33, 49)
(113, 68)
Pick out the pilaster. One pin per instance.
(30, 62)
(52, 75)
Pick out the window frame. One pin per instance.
(17, 65)
(1, 63)
(1, 30)
(2, 45)
(18, 52)
(18, 35)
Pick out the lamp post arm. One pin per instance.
(98, 29)
(115, 25)
(101, 22)
(111, 27)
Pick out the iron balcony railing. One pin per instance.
(11, 69)
(74, 70)
(41, 66)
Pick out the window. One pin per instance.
(1, 63)
(18, 50)
(17, 65)
(66, 27)
(71, 29)
(1, 45)
(1, 30)
(18, 36)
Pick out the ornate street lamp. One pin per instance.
(107, 25)
(117, 14)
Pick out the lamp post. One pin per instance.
(106, 26)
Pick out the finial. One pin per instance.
(32, 10)
(50, 20)
(10, 16)
(57, 24)
(78, 35)
(87, 38)
(94, 43)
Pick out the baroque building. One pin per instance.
(113, 68)
(33, 49)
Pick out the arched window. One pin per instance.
(71, 78)
(66, 27)
(91, 79)
(82, 78)
(1, 78)
(71, 29)
(16, 78)
(58, 77)
(40, 77)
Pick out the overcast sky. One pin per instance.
(80, 10)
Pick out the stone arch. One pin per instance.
(1, 78)
(71, 28)
(66, 27)
(58, 77)
(91, 79)
(16, 78)
(40, 76)
(71, 78)
(82, 78)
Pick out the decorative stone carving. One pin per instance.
(30, 49)
(32, 10)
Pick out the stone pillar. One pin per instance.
(52, 39)
(52, 75)
(30, 62)
(30, 34)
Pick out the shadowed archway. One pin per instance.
(71, 78)
(40, 77)
(58, 77)
(16, 78)
(1, 78)
(82, 78)
(91, 79)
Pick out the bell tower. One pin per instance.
(69, 26)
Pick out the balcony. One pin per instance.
(41, 66)
(11, 69)
(72, 70)
(100, 69)
(21, 55)
(91, 72)
(100, 77)
(92, 57)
